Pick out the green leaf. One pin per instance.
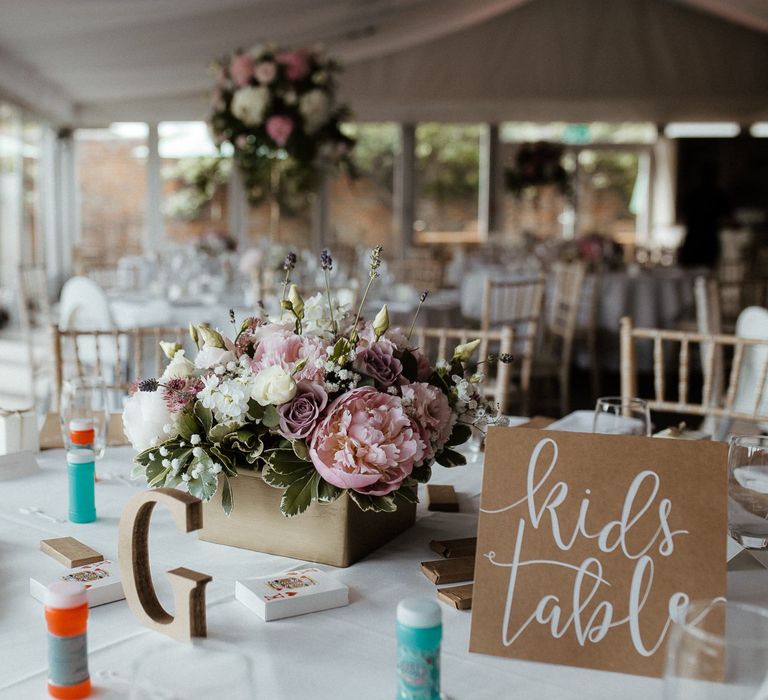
(188, 425)
(422, 474)
(327, 493)
(152, 470)
(226, 461)
(159, 478)
(450, 458)
(271, 417)
(204, 415)
(138, 471)
(284, 472)
(300, 449)
(227, 502)
(406, 493)
(461, 433)
(219, 431)
(366, 381)
(377, 504)
(204, 486)
(299, 495)
(410, 366)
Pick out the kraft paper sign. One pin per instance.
(589, 544)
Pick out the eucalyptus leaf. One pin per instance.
(204, 486)
(138, 471)
(159, 478)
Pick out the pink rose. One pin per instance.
(366, 443)
(431, 414)
(279, 128)
(241, 69)
(299, 416)
(378, 361)
(265, 72)
(296, 64)
(277, 345)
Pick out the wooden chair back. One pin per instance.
(438, 344)
(709, 321)
(419, 272)
(119, 356)
(738, 403)
(33, 299)
(566, 300)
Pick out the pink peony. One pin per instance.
(279, 128)
(431, 414)
(265, 72)
(277, 345)
(241, 69)
(366, 443)
(296, 64)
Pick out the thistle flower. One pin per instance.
(326, 261)
(148, 385)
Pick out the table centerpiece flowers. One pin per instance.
(319, 401)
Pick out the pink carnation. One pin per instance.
(276, 345)
(296, 64)
(241, 68)
(279, 128)
(366, 443)
(431, 414)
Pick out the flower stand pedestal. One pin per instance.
(337, 533)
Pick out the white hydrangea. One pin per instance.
(315, 107)
(249, 104)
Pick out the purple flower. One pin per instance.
(378, 361)
(299, 416)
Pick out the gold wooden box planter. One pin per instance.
(337, 533)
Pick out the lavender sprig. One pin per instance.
(373, 273)
(149, 385)
(422, 298)
(326, 262)
(289, 264)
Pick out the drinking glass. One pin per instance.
(718, 650)
(617, 416)
(85, 397)
(198, 670)
(748, 490)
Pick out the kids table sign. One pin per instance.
(588, 545)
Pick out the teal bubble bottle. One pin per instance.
(81, 469)
(419, 633)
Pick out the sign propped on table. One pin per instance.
(589, 544)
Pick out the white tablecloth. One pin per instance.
(343, 654)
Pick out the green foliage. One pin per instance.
(450, 458)
(199, 179)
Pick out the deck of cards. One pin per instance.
(101, 580)
(291, 593)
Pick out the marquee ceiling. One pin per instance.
(81, 61)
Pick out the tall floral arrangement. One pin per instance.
(319, 400)
(278, 109)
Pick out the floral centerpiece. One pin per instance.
(278, 110)
(318, 400)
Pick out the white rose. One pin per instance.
(249, 104)
(210, 356)
(180, 367)
(315, 107)
(144, 417)
(273, 385)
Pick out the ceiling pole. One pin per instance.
(404, 188)
(488, 189)
(153, 215)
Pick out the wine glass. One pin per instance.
(615, 415)
(85, 399)
(748, 490)
(198, 670)
(717, 650)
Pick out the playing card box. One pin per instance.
(101, 579)
(291, 593)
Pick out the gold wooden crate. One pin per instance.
(337, 533)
